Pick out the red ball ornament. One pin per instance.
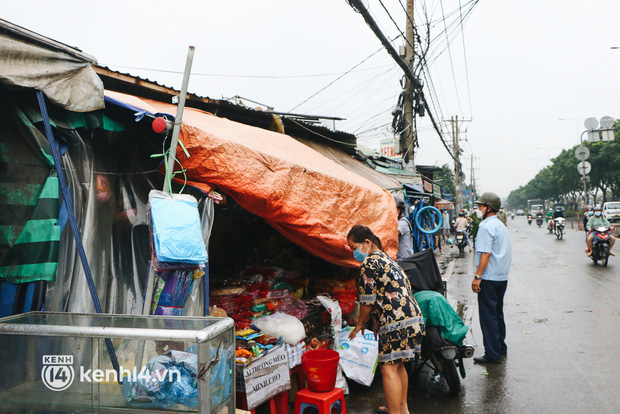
(159, 125)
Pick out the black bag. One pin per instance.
(423, 272)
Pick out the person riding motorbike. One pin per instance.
(549, 219)
(461, 224)
(539, 213)
(586, 216)
(595, 221)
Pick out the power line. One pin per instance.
(471, 110)
(456, 89)
(221, 75)
(335, 80)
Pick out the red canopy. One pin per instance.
(308, 198)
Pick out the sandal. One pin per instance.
(382, 410)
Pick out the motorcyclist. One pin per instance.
(595, 221)
(548, 218)
(539, 213)
(586, 216)
(461, 224)
(558, 212)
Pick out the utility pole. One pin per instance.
(408, 133)
(473, 177)
(457, 163)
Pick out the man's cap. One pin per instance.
(490, 199)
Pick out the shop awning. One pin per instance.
(340, 157)
(307, 197)
(63, 73)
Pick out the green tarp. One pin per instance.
(438, 312)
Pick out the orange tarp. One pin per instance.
(308, 198)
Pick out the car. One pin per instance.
(520, 212)
(611, 211)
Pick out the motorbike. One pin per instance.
(529, 219)
(512, 216)
(600, 245)
(559, 227)
(461, 242)
(551, 226)
(539, 221)
(443, 358)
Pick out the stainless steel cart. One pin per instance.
(59, 361)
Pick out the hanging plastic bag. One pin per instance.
(176, 230)
(359, 356)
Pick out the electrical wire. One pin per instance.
(335, 80)
(456, 89)
(471, 110)
(221, 75)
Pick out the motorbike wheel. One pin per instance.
(448, 371)
(461, 250)
(604, 255)
(559, 233)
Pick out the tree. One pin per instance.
(445, 177)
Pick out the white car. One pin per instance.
(611, 211)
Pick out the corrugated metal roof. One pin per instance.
(353, 165)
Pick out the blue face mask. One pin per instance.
(590, 213)
(358, 255)
(597, 214)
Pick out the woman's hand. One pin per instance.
(355, 330)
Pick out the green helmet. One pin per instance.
(490, 199)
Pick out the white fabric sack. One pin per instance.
(282, 325)
(359, 357)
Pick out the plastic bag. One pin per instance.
(336, 318)
(293, 306)
(359, 356)
(282, 325)
(176, 230)
(168, 380)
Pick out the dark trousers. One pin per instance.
(491, 312)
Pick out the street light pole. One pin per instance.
(583, 171)
(583, 175)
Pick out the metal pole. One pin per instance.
(177, 121)
(146, 308)
(583, 172)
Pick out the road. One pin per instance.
(563, 316)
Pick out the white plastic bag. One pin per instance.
(359, 357)
(282, 325)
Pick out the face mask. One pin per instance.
(358, 255)
(479, 213)
(597, 214)
(590, 213)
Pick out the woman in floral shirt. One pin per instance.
(385, 297)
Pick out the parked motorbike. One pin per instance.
(443, 357)
(529, 219)
(539, 221)
(600, 245)
(559, 227)
(461, 242)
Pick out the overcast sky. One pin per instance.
(514, 69)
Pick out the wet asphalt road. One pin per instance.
(563, 321)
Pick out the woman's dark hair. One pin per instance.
(359, 233)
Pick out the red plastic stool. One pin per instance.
(310, 402)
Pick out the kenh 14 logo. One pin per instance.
(57, 373)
